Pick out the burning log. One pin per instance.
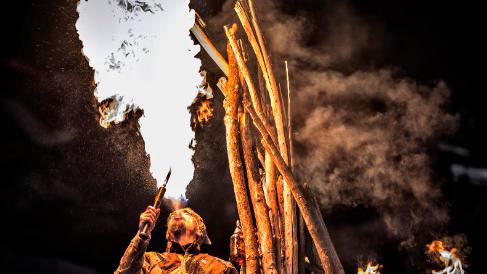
(257, 197)
(236, 167)
(311, 213)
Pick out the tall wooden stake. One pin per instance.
(258, 200)
(236, 167)
(264, 61)
(311, 213)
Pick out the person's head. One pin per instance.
(184, 226)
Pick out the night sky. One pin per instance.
(72, 191)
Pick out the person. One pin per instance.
(186, 232)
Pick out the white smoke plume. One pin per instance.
(142, 54)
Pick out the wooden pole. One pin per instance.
(270, 189)
(263, 59)
(300, 225)
(236, 167)
(301, 241)
(311, 214)
(258, 200)
(230, 32)
(209, 48)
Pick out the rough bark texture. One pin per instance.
(236, 167)
(264, 61)
(262, 220)
(311, 213)
(230, 32)
(271, 198)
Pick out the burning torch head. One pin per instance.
(186, 226)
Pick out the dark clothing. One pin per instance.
(178, 260)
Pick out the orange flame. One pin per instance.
(204, 112)
(450, 258)
(201, 110)
(104, 110)
(113, 111)
(370, 269)
(436, 246)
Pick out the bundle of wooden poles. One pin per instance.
(260, 155)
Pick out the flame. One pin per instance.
(113, 110)
(204, 112)
(201, 111)
(371, 269)
(449, 258)
(436, 246)
(143, 59)
(202, 108)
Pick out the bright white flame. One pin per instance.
(453, 264)
(142, 51)
(371, 269)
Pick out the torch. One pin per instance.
(157, 203)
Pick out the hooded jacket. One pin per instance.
(176, 259)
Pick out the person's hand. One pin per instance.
(149, 216)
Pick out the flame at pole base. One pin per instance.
(450, 259)
(370, 269)
(143, 57)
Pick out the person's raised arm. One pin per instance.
(133, 258)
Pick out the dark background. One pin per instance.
(71, 191)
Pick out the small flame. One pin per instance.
(370, 269)
(449, 258)
(202, 108)
(201, 111)
(113, 110)
(204, 112)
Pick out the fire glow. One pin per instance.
(143, 57)
(450, 259)
(370, 269)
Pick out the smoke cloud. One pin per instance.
(362, 134)
(365, 138)
(143, 57)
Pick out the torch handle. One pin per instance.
(144, 233)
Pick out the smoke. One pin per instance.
(362, 134)
(143, 57)
(364, 140)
